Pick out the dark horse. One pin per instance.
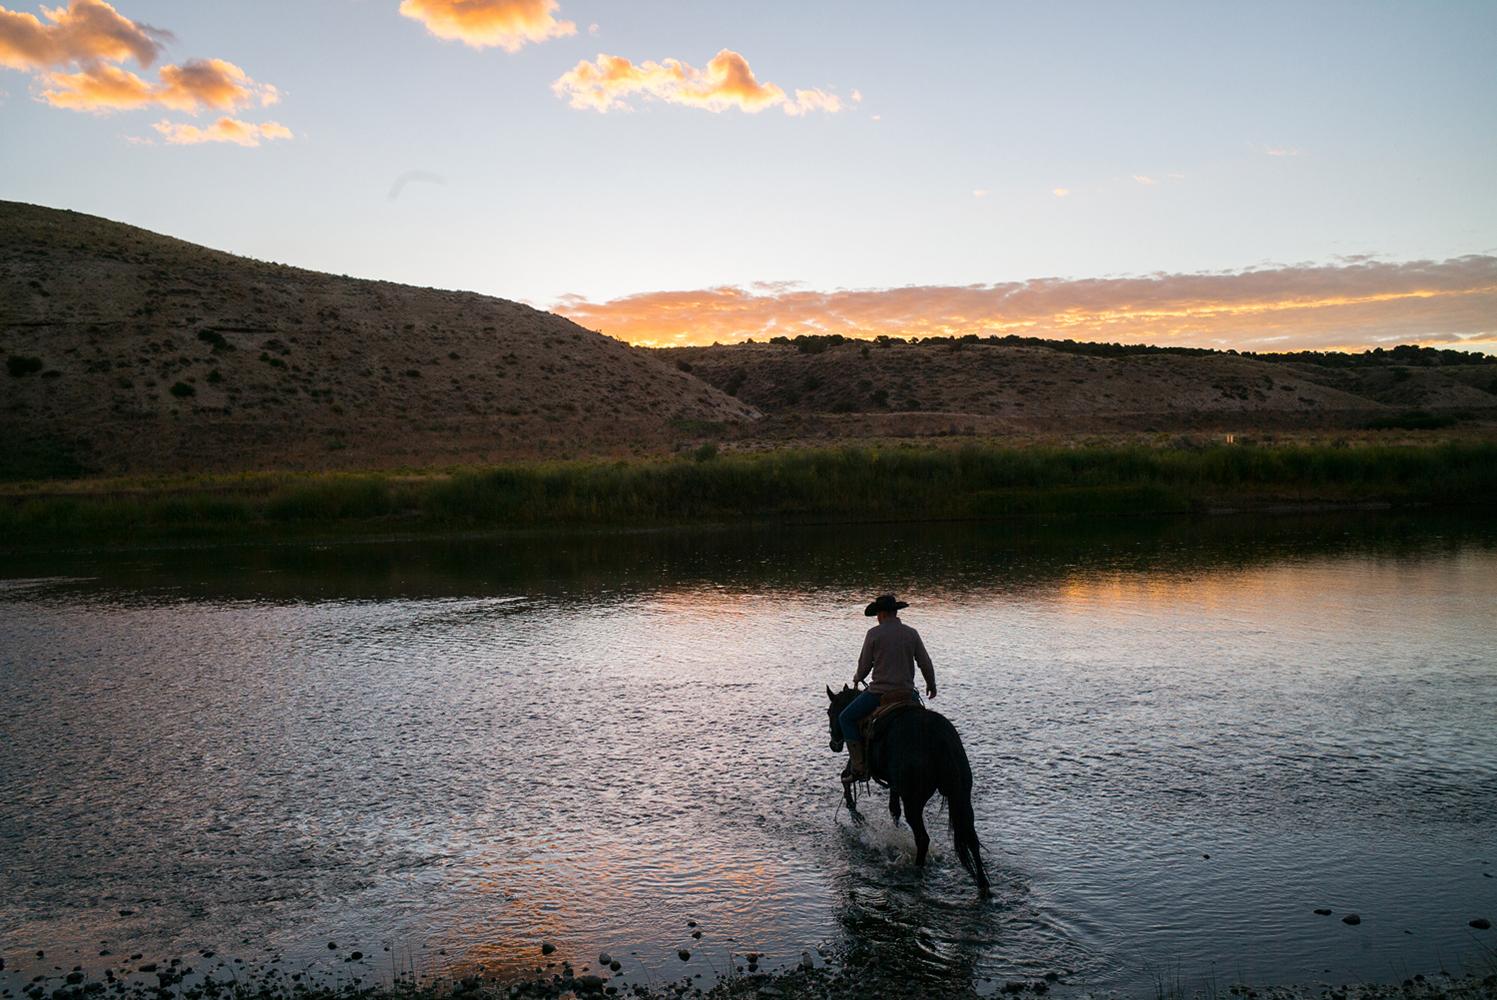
(919, 753)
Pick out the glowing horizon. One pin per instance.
(656, 169)
(1352, 307)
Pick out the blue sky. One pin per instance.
(1190, 138)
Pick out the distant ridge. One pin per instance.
(130, 352)
(997, 385)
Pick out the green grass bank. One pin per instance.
(977, 481)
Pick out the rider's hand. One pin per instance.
(930, 690)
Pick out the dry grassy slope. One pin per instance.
(1039, 389)
(296, 369)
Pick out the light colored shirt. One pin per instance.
(890, 652)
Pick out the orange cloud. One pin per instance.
(75, 56)
(1358, 305)
(82, 32)
(196, 84)
(609, 82)
(507, 24)
(226, 129)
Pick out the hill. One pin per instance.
(130, 352)
(897, 388)
(133, 353)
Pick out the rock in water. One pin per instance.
(1481, 924)
(1351, 918)
(547, 947)
(1322, 912)
(684, 955)
(806, 961)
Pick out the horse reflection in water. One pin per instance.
(917, 752)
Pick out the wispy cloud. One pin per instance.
(225, 129)
(1282, 151)
(1145, 180)
(505, 24)
(726, 82)
(75, 55)
(981, 193)
(1061, 192)
(414, 177)
(1307, 306)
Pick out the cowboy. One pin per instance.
(891, 651)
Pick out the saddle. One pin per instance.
(891, 704)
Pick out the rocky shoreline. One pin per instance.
(839, 977)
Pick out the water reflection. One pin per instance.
(1187, 736)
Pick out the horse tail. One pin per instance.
(954, 781)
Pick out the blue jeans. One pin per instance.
(862, 706)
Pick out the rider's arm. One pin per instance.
(927, 669)
(865, 661)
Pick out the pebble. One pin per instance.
(1322, 912)
(684, 955)
(604, 958)
(1481, 924)
(547, 947)
(1351, 918)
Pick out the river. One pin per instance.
(1186, 736)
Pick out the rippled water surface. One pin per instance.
(1186, 737)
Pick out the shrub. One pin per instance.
(20, 366)
(182, 390)
(1413, 420)
(705, 453)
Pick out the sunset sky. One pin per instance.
(1264, 176)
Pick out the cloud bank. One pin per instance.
(74, 54)
(727, 82)
(1356, 306)
(505, 24)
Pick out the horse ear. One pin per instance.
(829, 695)
(846, 688)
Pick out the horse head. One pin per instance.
(839, 700)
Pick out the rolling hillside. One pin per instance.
(133, 353)
(129, 352)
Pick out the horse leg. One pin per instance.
(894, 805)
(852, 803)
(915, 813)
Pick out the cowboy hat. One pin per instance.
(884, 603)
